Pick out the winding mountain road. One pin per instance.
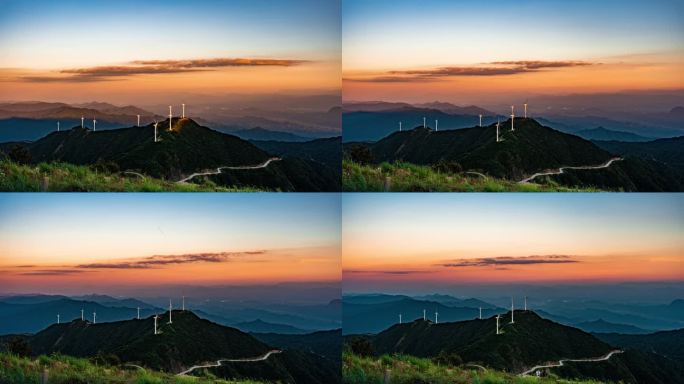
(561, 169)
(560, 362)
(218, 170)
(218, 362)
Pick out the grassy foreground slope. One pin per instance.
(64, 177)
(407, 177)
(405, 369)
(59, 369)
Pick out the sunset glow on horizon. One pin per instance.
(445, 239)
(129, 51)
(481, 52)
(57, 241)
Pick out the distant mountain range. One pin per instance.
(186, 149)
(601, 133)
(529, 341)
(258, 133)
(186, 341)
(601, 326)
(531, 148)
(259, 325)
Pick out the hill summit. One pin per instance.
(185, 341)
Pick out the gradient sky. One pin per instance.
(43, 42)
(396, 240)
(63, 241)
(466, 51)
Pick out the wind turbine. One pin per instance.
(436, 125)
(138, 120)
(512, 311)
(480, 120)
(436, 321)
(58, 318)
(423, 315)
(82, 119)
(94, 121)
(155, 324)
(138, 313)
(170, 117)
(400, 126)
(155, 131)
(82, 315)
(525, 109)
(497, 130)
(58, 126)
(170, 309)
(183, 296)
(497, 324)
(423, 122)
(480, 313)
(525, 303)
(183, 111)
(94, 318)
(400, 318)
(512, 117)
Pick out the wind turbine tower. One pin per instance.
(525, 303)
(155, 324)
(183, 115)
(82, 315)
(58, 126)
(512, 117)
(170, 117)
(94, 318)
(480, 120)
(424, 123)
(525, 109)
(170, 309)
(400, 318)
(512, 311)
(400, 126)
(155, 132)
(183, 298)
(497, 324)
(82, 119)
(58, 318)
(138, 120)
(480, 313)
(436, 125)
(138, 313)
(94, 121)
(436, 321)
(423, 315)
(497, 130)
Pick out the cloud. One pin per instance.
(393, 272)
(496, 68)
(162, 260)
(510, 260)
(52, 272)
(154, 67)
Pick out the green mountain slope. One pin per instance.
(669, 344)
(188, 341)
(187, 148)
(530, 341)
(669, 151)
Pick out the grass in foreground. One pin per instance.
(64, 177)
(403, 369)
(407, 177)
(61, 369)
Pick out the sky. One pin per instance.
(114, 51)
(400, 241)
(481, 51)
(61, 242)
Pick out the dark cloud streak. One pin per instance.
(510, 260)
(162, 260)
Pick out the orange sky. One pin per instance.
(457, 238)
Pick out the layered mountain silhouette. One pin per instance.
(529, 149)
(183, 343)
(184, 149)
(529, 341)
